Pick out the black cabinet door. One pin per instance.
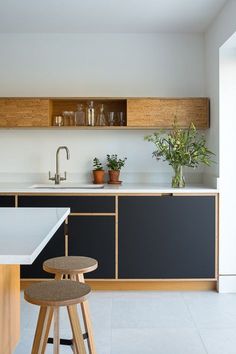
(94, 236)
(169, 237)
(54, 248)
(7, 201)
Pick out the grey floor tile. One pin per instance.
(212, 310)
(160, 312)
(146, 294)
(219, 341)
(156, 341)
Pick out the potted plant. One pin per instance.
(114, 165)
(180, 148)
(98, 172)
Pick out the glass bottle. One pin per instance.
(101, 118)
(91, 114)
(80, 115)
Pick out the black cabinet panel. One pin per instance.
(94, 236)
(167, 237)
(54, 248)
(78, 204)
(7, 201)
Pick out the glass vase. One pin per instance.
(178, 180)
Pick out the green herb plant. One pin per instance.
(97, 165)
(181, 148)
(114, 163)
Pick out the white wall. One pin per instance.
(93, 65)
(221, 90)
(219, 31)
(101, 65)
(228, 158)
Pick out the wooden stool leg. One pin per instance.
(56, 337)
(80, 278)
(76, 329)
(87, 320)
(58, 276)
(42, 330)
(88, 326)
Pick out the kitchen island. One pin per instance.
(24, 232)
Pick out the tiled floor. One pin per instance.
(151, 323)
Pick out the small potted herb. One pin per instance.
(98, 172)
(181, 148)
(114, 165)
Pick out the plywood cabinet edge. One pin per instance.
(161, 112)
(25, 112)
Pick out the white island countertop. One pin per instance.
(124, 188)
(24, 232)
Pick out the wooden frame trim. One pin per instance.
(92, 214)
(66, 237)
(120, 285)
(16, 201)
(132, 280)
(118, 194)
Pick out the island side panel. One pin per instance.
(9, 307)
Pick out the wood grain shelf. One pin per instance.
(139, 113)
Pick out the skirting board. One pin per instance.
(142, 285)
(227, 284)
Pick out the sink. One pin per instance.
(67, 186)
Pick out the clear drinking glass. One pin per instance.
(66, 118)
(58, 121)
(71, 118)
(111, 118)
(120, 118)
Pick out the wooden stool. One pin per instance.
(50, 296)
(74, 267)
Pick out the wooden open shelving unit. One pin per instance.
(139, 113)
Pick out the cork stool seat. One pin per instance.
(70, 265)
(74, 267)
(50, 296)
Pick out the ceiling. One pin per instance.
(107, 16)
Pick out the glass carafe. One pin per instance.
(101, 118)
(90, 114)
(80, 115)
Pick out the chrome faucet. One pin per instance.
(58, 178)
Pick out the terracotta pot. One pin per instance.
(114, 176)
(98, 176)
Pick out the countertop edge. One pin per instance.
(29, 258)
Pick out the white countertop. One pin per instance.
(125, 188)
(24, 232)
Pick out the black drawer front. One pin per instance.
(7, 201)
(77, 204)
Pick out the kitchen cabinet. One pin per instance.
(7, 201)
(167, 237)
(88, 235)
(138, 113)
(145, 237)
(94, 236)
(161, 112)
(24, 112)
